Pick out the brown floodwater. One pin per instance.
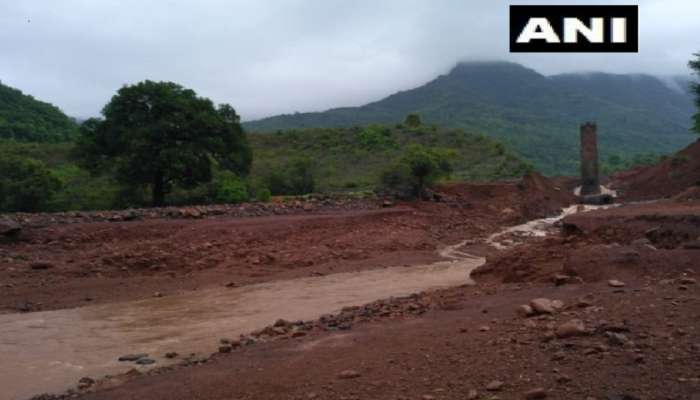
(48, 352)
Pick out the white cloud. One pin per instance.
(290, 55)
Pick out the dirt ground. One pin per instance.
(65, 265)
(622, 320)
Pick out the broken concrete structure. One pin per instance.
(590, 181)
(591, 192)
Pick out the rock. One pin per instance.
(542, 306)
(281, 323)
(9, 227)
(524, 310)
(558, 305)
(472, 394)
(561, 279)
(85, 383)
(349, 374)
(484, 328)
(574, 327)
(133, 357)
(145, 361)
(171, 355)
(225, 348)
(537, 393)
(40, 265)
(615, 283)
(688, 281)
(494, 386)
(387, 203)
(623, 396)
(616, 339)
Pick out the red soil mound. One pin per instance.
(624, 242)
(666, 179)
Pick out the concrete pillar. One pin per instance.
(590, 183)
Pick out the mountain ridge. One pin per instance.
(536, 115)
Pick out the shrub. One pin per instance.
(419, 168)
(25, 184)
(229, 188)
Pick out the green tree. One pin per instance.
(419, 168)
(695, 66)
(25, 184)
(159, 134)
(413, 120)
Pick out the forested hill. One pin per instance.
(24, 118)
(536, 115)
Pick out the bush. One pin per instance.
(375, 137)
(229, 188)
(25, 184)
(296, 178)
(419, 168)
(413, 120)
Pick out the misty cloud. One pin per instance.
(269, 57)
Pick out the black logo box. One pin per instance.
(520, 15)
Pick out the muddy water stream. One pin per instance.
(50, 351)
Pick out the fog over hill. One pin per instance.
(536, 115)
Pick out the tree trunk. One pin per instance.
(158, 190)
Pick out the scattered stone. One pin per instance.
(616, 339)
(133, 357)
(623, 396)
(524, 310)
(574, 327)
(535, 394)
(9, 227)
(349, 374)
(472, 394)
(494, 386)
(225, 349)
(157, 294)
(171, 355)
(615, 283)
(558, 305)
(85, 383)
(484, 328)
(561, 279)
(688, 281)
(542, 306)
(145, 361)
(41, 265)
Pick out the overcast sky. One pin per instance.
(272, 56)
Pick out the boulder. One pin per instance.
(9, 226)
(542, 306)
(574, 327)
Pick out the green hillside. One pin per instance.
(352, 158)
(340, 160)
(535, 115)
(24, 118)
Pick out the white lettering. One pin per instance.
(594, 34)
(537, 29)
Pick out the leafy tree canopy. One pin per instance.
(695, 66)
(25, 184)
(159, 134)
